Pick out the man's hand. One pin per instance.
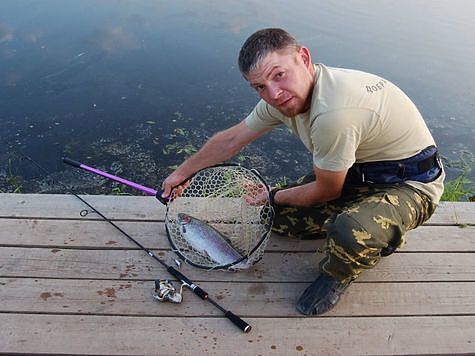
(256, 194)
(172, 181)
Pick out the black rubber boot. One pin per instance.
(321, 296)
(386, 251)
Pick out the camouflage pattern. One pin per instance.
(357, 225)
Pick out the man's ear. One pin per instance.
(305, 55)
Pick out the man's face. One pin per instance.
(285, 80)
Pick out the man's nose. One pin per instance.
(274, 91)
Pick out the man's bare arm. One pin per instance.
(220, 147)
(327, 186)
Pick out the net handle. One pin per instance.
(146, 190)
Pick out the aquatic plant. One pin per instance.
(461, 187)
(119, 191)
(456, 189)
(12, 179)
(283, 182)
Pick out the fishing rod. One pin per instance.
(241, 324)
(236, 320)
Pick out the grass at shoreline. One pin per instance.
(456, 189)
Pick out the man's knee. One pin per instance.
(340, 230)
(351, 237)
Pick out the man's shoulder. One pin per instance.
(343, 73)
(340, 88)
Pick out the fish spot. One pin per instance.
(273, 347)
(58, 294)
(111, 242)
(299, 348)
(55, 250)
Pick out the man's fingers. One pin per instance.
(166, 190)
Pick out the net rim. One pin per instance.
(264, 235)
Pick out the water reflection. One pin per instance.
(136, 86)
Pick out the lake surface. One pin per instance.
(134, 87)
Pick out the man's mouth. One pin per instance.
(285, 102)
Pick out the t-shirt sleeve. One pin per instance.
(335, 138)
(263, 116)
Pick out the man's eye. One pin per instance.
(259, 88)
(280, 74)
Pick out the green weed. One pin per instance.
(12, 179)
(456, 189)
(119, 191)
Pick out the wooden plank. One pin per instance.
(67, 206)
(440, 238)
(81, 233)
(217, 336)
(148, 208)
(464, 212)
(112, 297)
(280, 267)
(99, 234)
(453, 213)
(116, 207)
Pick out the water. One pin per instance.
(134, 87)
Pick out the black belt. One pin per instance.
(424, 167)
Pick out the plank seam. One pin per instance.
(228, 281)
(208, 316)
(77, 219)
(167, 249)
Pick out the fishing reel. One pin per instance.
(165, 291)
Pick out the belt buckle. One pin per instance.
(401, 170)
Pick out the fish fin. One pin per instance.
(206, 254)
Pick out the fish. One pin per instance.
(207, 240)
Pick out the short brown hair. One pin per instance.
(260, 44)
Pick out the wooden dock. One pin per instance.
(74, 285)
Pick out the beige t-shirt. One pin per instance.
(355, 117)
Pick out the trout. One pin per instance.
(207, 240)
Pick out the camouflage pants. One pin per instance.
(357, 225)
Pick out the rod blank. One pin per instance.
(236, 320)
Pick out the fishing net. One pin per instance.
(227, 203)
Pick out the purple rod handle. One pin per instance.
(147, 190)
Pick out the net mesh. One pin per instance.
(227, 203)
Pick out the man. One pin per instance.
(375, 175)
